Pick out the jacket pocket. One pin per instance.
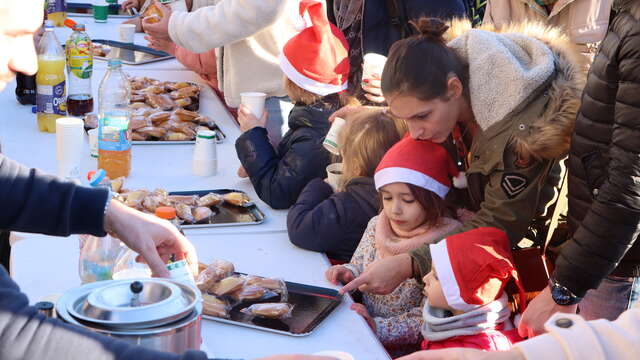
(594, 165)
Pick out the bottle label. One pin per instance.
(79, 58)
(54, 6)
(50, 99)
(113, 133)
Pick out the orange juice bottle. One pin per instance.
(114, 135)
(50, 81)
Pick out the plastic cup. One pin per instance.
(69, 146)
(339, 355)
(331, 140)
(205, 159)
(334, 176)
(93, 142)
(254, 101)
(100, 11)
(127, 32)
(372, 64)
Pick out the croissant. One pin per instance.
(211, 199)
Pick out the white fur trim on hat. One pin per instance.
(446, 277)
(306, 83)
(399, 174)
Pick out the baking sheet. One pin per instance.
(311, 306)
(86, 10)
(220, 137)
(225, 214)
(131, 54)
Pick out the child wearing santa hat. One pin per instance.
(412, 180)
(466, 304)
(316, 66)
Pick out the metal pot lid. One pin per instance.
(134, 303)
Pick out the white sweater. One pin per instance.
(587, 340)
(252, 34)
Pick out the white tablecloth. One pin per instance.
(44, 265)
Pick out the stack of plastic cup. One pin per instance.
(93, 142)
(127, 32)
(69, 147)
(254, 101)
(205, 158)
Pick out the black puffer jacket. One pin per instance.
(332, 223)
(279, 176)
(604, 165)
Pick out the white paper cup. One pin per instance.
(372, 64)
(254, 101)
(69, 146)
(339, 355)
(205, 157)
(93, 142)
(334, 176)
(127, 32)
(331, 140)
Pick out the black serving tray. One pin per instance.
(311, 306)
(226, 214)
(131, 54)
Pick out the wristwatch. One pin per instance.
(561, 295)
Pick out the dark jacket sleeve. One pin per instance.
(279, 178)
(27, 334)
(39, 203)
(321, 221)
(610, 227)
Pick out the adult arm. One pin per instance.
(401, 329)
(507, 208)
(224, 23)
(35, 202)
(26, 334)
(318, 221)
(610, 227)
(278, 180)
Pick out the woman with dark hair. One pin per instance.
(503, 102)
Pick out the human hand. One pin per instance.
(339, 274)
(160, 29)
(167, 46)
(242, 173)
(382, 276)
(128, 4)
(464, 354)
(362, 311)
(350, 110)
(373, 89)
(248, 121)
(538, 311)
(154, 239)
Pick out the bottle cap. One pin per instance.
(34, 109)
(79, 27)
(97, 178)
(48, 24)
(70, 24)
(166, 212)
(90, 174)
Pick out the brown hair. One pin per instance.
(421, 65)
(300, 95)
(365, 139)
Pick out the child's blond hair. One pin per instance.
(300, 95)
(365, 139)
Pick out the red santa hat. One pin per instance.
(418, 162)
(317, 58)
(474, 267)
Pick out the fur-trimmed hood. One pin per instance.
(512, 66)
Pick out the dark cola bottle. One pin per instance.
(26, 89)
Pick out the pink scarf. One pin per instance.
(389, 242)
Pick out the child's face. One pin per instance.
(433, 291)
(403, 210)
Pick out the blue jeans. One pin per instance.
(614, 296)
(278, 109)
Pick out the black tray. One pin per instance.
(220, 137)
(225, 214)
(130, 53)
(311, 305)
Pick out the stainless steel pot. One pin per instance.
(155, 313)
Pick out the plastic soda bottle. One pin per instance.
(79, 69)
(114, 136)
(50, 81)
(57, 12)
